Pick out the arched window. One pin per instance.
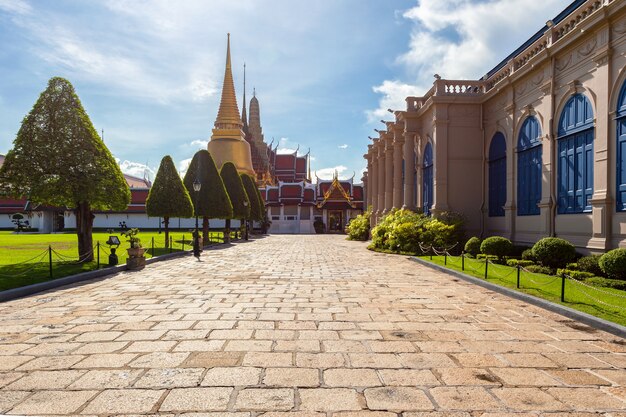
(621, 150)
(497, 175)
(529, 167)
(427, 179)
(575, 153)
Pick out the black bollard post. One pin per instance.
(183, 243)
(486, 267)
(462, 261)
(98, 247)
(563, 288)
(50, 259)
(171, 241)
(518, 273)
(445, 258)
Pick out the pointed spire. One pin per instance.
(228, 113)
(244, 114)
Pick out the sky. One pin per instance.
(149, 72)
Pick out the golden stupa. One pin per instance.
(228, 141)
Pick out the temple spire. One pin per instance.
(244, 114)
(228, 113)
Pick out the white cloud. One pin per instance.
(460, 39)
(183, 166)
(286, 150)
(394, 97)
(199, 143)
(137, 169)
(327, 173)
(344, 146)
(284, 139)
(19, 7)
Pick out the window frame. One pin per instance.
(529, 167)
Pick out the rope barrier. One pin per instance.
(31, 259)
(498, 266)
(33, 266)
(595, 288)
(594, 298)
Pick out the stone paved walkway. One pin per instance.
(300, 326)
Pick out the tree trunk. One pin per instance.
(166, 223)
(205, 229)
(227, 232)
(84, 226)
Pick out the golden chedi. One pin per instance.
(228, 142)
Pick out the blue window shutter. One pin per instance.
(621, 163)
(620, 175)
(529, 167)
(575, 164)
(497, 175)
(427, 180)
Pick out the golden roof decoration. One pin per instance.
(228, 114)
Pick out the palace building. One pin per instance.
(535, 148)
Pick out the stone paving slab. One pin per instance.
(300, 326)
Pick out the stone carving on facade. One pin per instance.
(563, 62)
(587, 48)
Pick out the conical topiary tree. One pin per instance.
(168, 196)
(237, 193)
(253, 193)
(59, 159)
(213, 201)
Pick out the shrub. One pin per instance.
(527, 255)
(404, 230)
(359, 227)
(520, 262)
(496, 245)
(613, 263)
(457, 233)
(572, 266)
(617, 284)
(579, 275)
(590, 264)
(554, 252)
(472, 246)
(438, 234)
(538, 269)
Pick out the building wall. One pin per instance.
(460, 118)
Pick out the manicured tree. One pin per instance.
(237, 194)
(168, 196)
(253, 196)
(213, 201)
(59, 159)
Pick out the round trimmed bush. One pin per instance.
(590, 264)
(496, 245)
(527, 255)
(554, 252)
(613, 263)
(472, 246)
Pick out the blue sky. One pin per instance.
(149, 72)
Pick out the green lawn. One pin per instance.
(24, 258)
(611, 305)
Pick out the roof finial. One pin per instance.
(253, 91)
(228, 113)
(244, 114)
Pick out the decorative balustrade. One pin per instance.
(459, 87)
(584, 12)
(554, 34)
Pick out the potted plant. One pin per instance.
(136, 258)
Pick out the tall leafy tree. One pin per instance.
(58, 159)
(212, 202)
(253, 196)
(237, 194)
(168, 196)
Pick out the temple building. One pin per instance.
(294, 203)
(535, 148)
